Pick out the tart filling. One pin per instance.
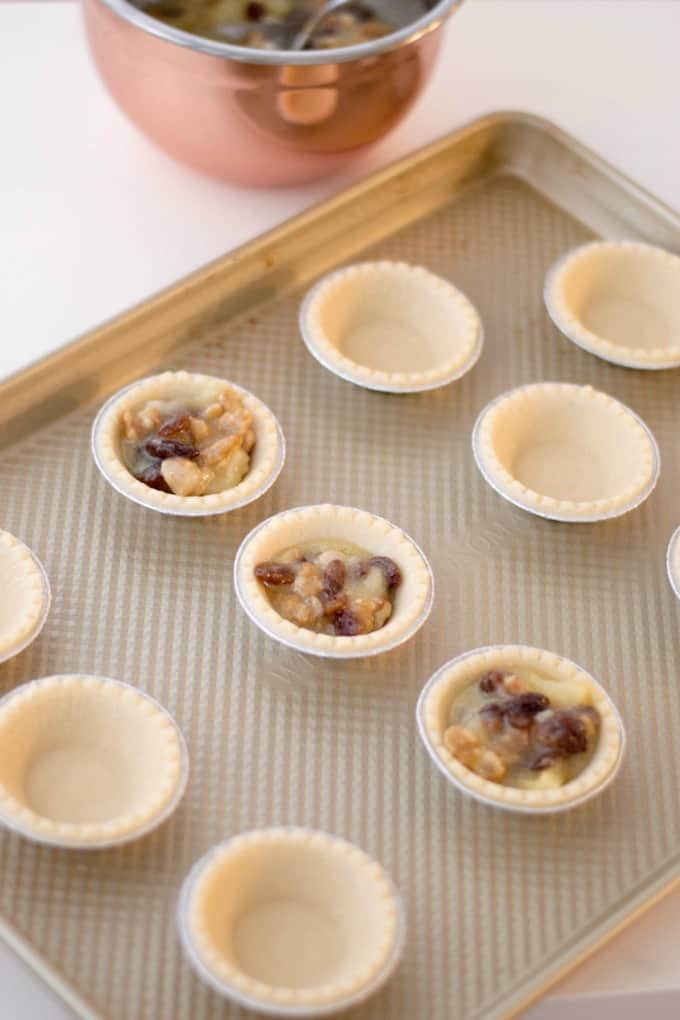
(25, 596)
(391, 326)
(269, 24)
(376, 611)
(620, 301)
(521, 727)
(291, 919)
(673, 562)
(189, 450)
(331, 587)
(87, 761)
(188, 444)
(567, 452)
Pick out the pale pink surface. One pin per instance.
(94, 218)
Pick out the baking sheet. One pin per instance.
(498, 906)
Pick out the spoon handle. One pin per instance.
(302, 37)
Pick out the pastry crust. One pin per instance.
(432, 718)
(619, 301)
(391, 326)
(567, 452)
(291, 921)
(266, 462)
(412, 601)
(87, 761)
(26, 596)
(673, 562)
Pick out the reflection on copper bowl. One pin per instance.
(255, 116)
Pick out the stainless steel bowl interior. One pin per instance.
(430, 20)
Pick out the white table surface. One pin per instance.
(93, 219)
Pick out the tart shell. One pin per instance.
(592, 457)
(619, 300)
(267, 458)
(412, 602)
(26, 596)
(87, 762)
(391, 326)
(673, 562)
(291, 922)
(432, 715)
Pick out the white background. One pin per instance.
(93, 219)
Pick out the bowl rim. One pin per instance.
(429, 22)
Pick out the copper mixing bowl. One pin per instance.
(254, 116)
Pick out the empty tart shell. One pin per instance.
(391, 326)
(620, 300)
(566, 452)
(291, 922)
(412, 602)
(26, 597)
(266, 461)
(451, 679)
(673, 562)
(87, 762)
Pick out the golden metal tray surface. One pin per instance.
(498, 905)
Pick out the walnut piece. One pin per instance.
(219, 450)
(218, 438)
(507, 727)
(199, 429)
(464, 745)
(183, 477)
(514, 684)
(304, 612)
(350, 592)
(308, 580)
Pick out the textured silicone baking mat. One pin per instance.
(497, 905)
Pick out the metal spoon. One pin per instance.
(384, 10)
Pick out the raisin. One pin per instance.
(168, 10)
(589, 716)
(545, 761)
(255, 11)
(489, 683)
(389, 568)
(274, 574)
(152, 477)
(164, 448)
(523, 708)
(588, 712)
(174, 427)
(493, 716)
(532, 702)
(563, 732)
(359, 12)
(346, 624)
(334, 577)
(519, 719)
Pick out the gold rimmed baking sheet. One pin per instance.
(498, 906)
